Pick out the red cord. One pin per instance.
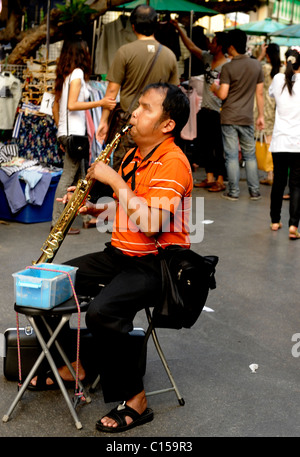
(78, 327)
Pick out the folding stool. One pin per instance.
(151, 332)
(64, 311)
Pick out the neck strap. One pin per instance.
(131, 173)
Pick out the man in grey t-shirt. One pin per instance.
(241, 80)
(130, 69)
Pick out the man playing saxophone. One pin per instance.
(154, 181)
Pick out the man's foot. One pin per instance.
(205, 184)
(127, 415)
(73, 231)
(217, 187)
(64, 373)
(266, 182)
(255, 196)
(228, 196)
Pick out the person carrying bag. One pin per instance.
(263, 154)
(69, 111)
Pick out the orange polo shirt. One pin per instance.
(163, 181)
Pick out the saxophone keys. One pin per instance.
(59, 236)
(49, 253)
(53, 243)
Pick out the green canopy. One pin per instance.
(282, 41)
(292, 31)
(175, 6)
(260, 28)
(285, 41)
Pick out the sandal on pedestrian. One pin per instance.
(266, 182)
(119, 414)
(204, 184)
(294, 234)
(274, 226)
(217, 187)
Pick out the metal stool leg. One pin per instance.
(67, 361)
(94, 385)
(45, 352)
(174, 387)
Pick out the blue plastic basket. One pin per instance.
(45, 289)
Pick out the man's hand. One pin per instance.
(68, 196)
(102, 132)
(87, 208)
(260, 123)
(103, 173)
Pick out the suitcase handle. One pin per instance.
(30, 284)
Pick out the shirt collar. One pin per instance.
(156, 155)
(240, 56)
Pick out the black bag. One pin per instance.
(30, 350)
(187, 278)
(78, 146)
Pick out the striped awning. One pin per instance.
(287, 10)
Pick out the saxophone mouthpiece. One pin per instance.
(126, 129)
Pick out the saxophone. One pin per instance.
(83, 188)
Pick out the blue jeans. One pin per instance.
(233, 136)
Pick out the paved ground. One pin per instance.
(255, 320)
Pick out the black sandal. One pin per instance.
(41, 383)
(119, 414)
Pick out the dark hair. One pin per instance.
(292, 63)
(144, 19)
(274, 54)
(222, 40)
(74, 54)
(238, 39)
(176, 105)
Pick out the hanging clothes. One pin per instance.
(167, 35)
(10, 96)
(97, 90)
(113, 36)
(37, 139)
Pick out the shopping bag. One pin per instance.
(263, 155)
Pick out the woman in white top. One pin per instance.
(72, 73)
(285, 144)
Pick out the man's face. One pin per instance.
(146, 119)
(213, 46)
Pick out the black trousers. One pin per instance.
(130, 284)
(210, 142)
(284, 163)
